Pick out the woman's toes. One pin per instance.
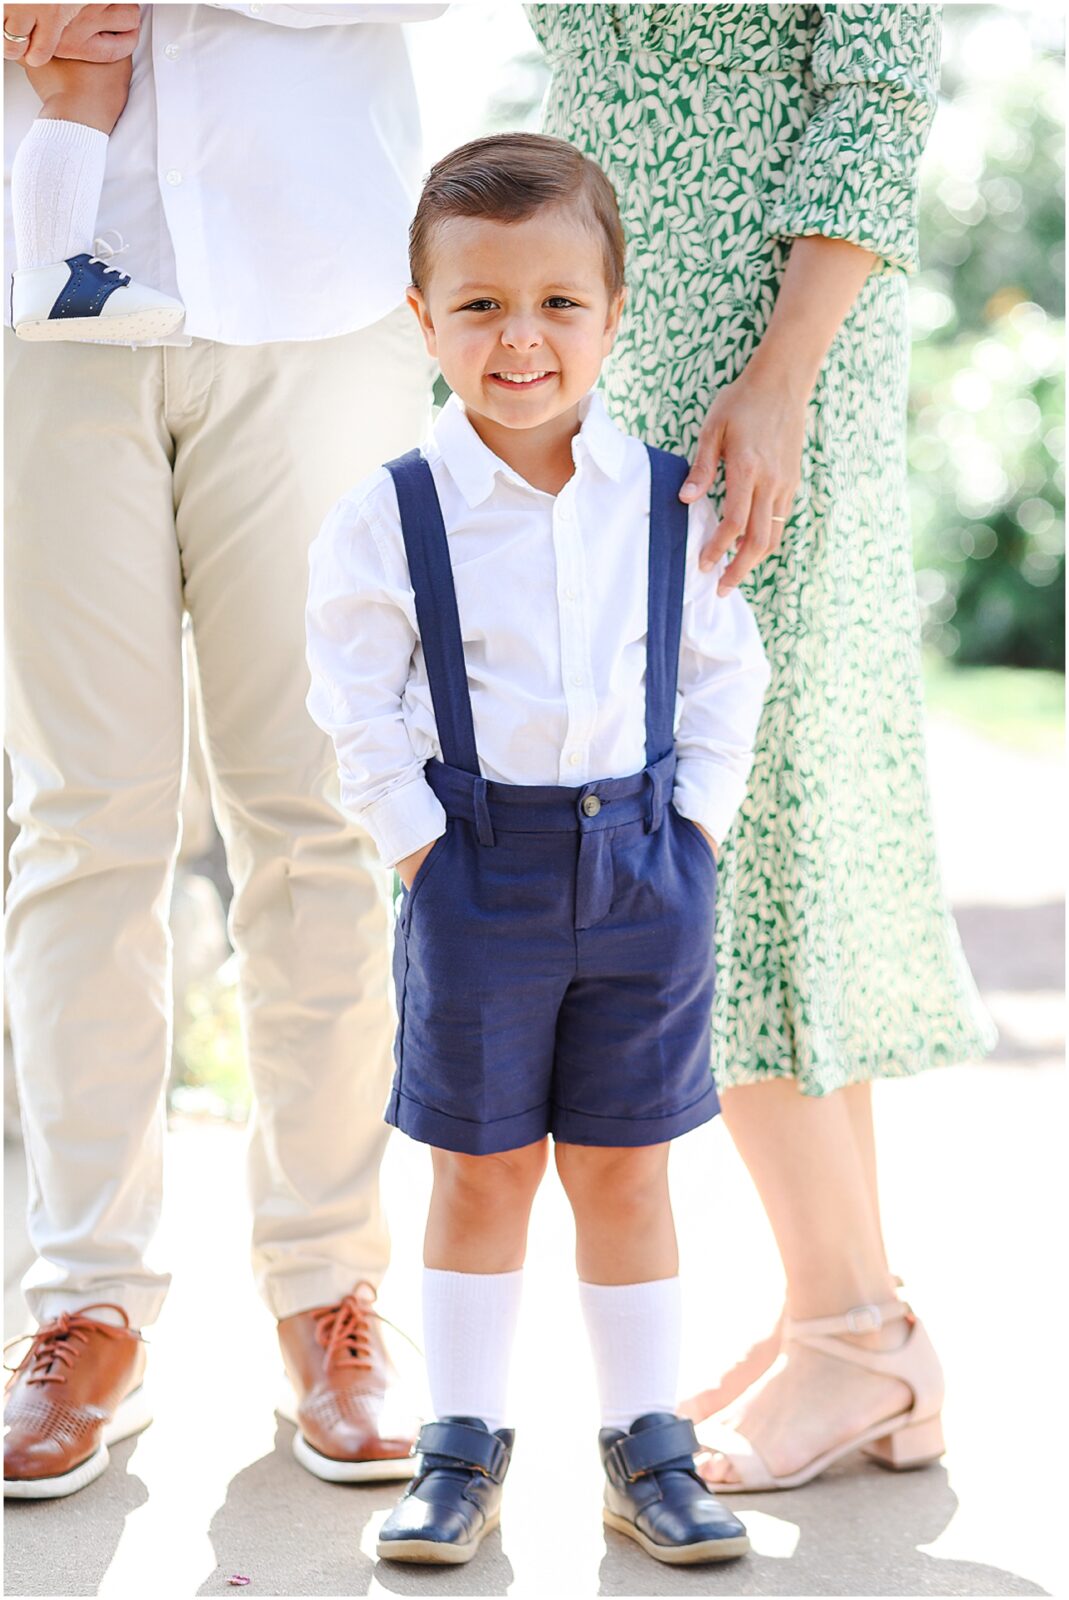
(714, 1467)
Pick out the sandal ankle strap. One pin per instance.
(859, 1319)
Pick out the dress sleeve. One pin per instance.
(875, 71)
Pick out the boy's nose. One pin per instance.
(521, 334)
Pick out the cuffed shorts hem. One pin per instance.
(467, 1138)
(446, 1132)
(582, 1127)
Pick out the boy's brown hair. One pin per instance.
(507, 177)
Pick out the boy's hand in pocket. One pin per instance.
(408, 866)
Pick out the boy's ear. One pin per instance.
(612, 321)
(423, 317)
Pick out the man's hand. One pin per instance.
(37, 29)
(408, 866)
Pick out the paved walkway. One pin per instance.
(972, 1163)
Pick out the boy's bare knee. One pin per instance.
(617, 1179)
(505, 1179)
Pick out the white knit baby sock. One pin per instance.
(469, 1324)
(634, 1331)
(56, 179)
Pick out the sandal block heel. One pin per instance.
(915, 1446)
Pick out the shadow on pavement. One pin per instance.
(66, 1546)
(853, 1532)
(291, 1534)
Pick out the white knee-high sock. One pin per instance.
(56, 179)
(634, 1331)
(469, 1325)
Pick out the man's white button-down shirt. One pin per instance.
(552, 595)
(265, 168)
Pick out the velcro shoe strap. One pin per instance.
(467, 1447)
(637, 1454)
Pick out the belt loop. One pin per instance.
(484, 828)
(655, 807)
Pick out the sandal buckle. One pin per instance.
(864, 1319)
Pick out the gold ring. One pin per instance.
(16, 38)
(777, 519)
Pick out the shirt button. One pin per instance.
(578, 679)
(591, 805)
(174, 177)
(255, 10)
(574, 759)
(171, 52)
(569, 594)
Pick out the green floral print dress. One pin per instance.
(727, 131)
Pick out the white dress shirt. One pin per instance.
(552, 595)
(266, 166)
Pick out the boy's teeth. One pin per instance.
(520, 377)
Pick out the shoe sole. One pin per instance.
(132, 1416)
(685, 1555)
(382, 1469)
(106, 330)
(432, 1553)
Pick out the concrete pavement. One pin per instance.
(972, 1172)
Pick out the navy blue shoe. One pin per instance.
(83, 298)
(655, 1496)
(454, 1500)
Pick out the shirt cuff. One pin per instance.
(708, 793)
(404, 820)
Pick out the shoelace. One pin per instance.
(62, 1341)
(344, 1331)
(105, 251)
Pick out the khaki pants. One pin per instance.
(141, 483)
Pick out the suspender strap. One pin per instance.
(668, 560)
(431, 573)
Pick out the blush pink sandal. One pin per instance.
(914, 1438)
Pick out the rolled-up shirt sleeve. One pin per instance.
(723, 675)
(875, 70)
(360, 638)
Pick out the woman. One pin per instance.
(765, 160)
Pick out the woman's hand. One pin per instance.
(408, 866)
(756, 426)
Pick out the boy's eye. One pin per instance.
(559, 302)
(479, 305)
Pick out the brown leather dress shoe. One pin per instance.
(344, 1381)
(77, 1389)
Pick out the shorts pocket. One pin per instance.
(426, 867)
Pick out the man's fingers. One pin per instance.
(700, 478)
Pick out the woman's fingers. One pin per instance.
(755, 543)
(782, 504)
(738, 502)
(700, 478)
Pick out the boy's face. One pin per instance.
(518, 314)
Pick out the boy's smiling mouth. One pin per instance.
(520, 380)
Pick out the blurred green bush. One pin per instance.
(986, 443)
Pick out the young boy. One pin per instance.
(544, 716)
(60, 288)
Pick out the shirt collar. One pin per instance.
(474, 467)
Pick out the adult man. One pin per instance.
(262, 173)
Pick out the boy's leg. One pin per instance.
(628, 1264)
(473, 1253)
(628, 1267)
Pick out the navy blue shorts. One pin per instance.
(554, 968)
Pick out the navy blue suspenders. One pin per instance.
(431, 571)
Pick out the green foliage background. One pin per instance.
(986, 440)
